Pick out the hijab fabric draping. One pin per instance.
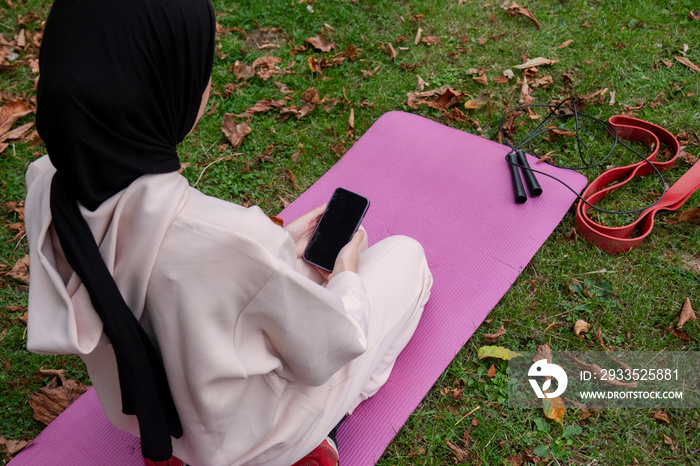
(120, 86)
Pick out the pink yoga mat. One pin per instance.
(448, 189)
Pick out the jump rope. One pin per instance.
(516, 157)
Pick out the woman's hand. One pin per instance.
(348, 257)
(301, 229)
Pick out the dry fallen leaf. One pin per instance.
(369, 73)
(548, 158)
(17, 319)
(413, 97)
(12, 447)
(266, 61)
(687, 157)
(534, 62)
(581, 326)
(576, 403)
(599, 337)
(283, 88)
(16, 207)
(525, 94)
(687, 314)
(418, 34)
(51, 373)
(16, 133)
(493, 337)
(447, 99)
(693, 67)
(390, 50)
(513, 9)
(628, 109)
(266, 67)
(691, 216)
(242, 72)
(262, 106)
(457, 115)
(694, 15)
(420, 85)
(19, 227)
(544, 81)
(313, 65)
(21, 39)
(233, 131)
(20, 271)
(565, 44)
(294, 111)
(351, 123)
(624, 366)
(312, 96)
(479, 101)
(465, 436)
(601, 376)
(292, 179)
(568, 77)
(459, 453)
(543, 352)
(50, 401)
(352, 53)
(554, 408)
(682, 334)
(553, 132)
(320, 43)
(661, 416)
(492, 372)
(481, 79)
(524, 457)
(419, 451)
(11, 112)
(668, 441)
(431, 40)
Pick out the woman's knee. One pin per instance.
(408, 248)
(402, 254)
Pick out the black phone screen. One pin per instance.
(336, 227)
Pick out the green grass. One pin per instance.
(618, 45)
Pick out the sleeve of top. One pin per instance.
(312, 330)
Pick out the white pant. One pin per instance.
(398, 282)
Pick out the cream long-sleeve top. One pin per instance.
(250, 346)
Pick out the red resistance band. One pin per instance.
(618, 239)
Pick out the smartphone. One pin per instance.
(335, 229)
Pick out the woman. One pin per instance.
(202, 329)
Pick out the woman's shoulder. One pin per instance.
(226, 225)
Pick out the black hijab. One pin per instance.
(121, 82)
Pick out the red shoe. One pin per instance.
(325, 454)
(173, 461)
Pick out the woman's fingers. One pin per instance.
(349, 257)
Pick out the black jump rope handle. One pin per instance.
(520, 196)
(532, 185)
(515, 160)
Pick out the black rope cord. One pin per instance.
(552, 115)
